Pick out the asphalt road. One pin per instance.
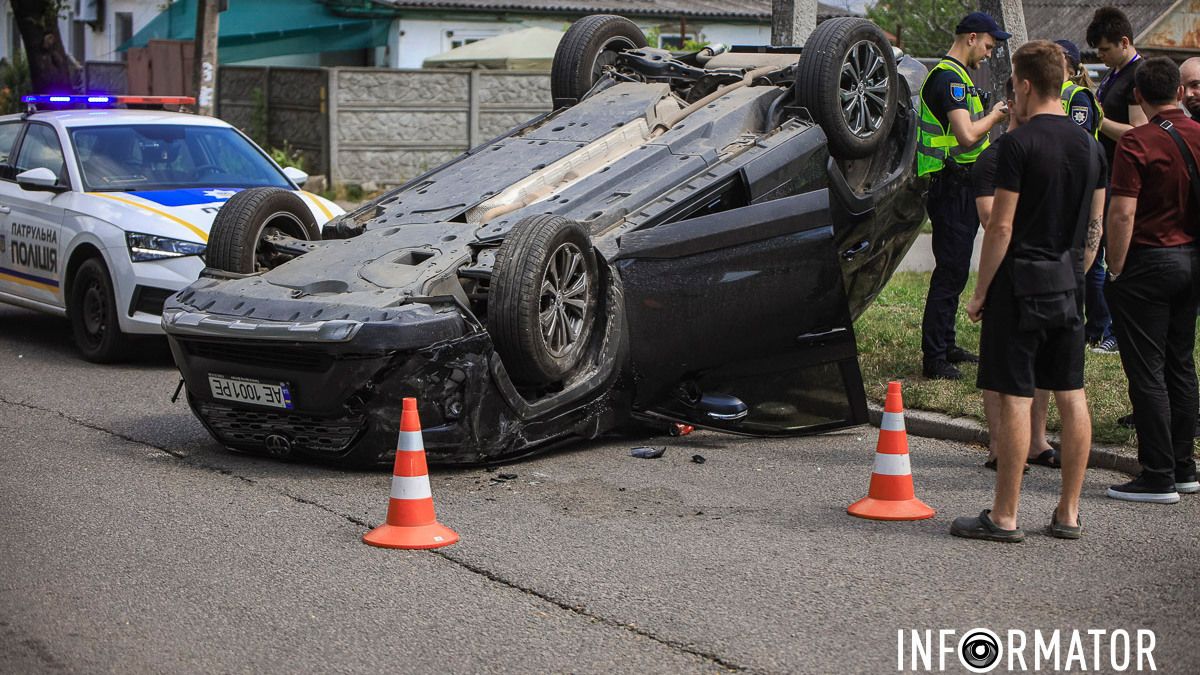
(131, 542)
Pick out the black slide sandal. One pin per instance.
(1048, 457)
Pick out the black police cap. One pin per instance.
(981, 22)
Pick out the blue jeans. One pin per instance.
(1099, 320)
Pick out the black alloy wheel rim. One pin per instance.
(563, 302)
(863, 89)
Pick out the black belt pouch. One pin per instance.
(1045, 292)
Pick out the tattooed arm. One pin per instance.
(1095, 229)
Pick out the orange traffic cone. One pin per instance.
(410, 519)
(891, 495)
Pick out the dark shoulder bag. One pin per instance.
(1045, 289)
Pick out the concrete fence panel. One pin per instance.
(377, 125)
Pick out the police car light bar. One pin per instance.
(122, 99)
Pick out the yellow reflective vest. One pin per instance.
(937, 144)
(1069, 90)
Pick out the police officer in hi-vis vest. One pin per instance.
(953, 131)
(1078, 99)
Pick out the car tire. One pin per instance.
(540, 323)
(92, 310)
(589, 44)
(233, 241)
(855, 109)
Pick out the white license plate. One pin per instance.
(243, 390)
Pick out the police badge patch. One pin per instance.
(958, 91)
(1079, 113)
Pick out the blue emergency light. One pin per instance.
(104, 100)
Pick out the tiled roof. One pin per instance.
(758, 10)
(1059, 19)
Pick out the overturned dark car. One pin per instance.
(686, 238)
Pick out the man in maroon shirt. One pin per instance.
(1154, 283)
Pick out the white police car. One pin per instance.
(104, 212)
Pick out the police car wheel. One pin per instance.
(589, 45)
(92, 309)
(846, 79)
(239, 238)
(543, 298)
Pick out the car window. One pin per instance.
(8, 136)
(41, 150)
(161, 156)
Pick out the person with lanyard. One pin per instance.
(1079, 102)
(1111, 34)
(953, 131)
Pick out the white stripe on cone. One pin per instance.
(892, 465)
(409, 441)
(411, 487)
(892, 421)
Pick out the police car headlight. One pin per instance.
(144, 247)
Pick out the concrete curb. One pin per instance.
(966, 430)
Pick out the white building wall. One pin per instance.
(414, 40)
(100, 43)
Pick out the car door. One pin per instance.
(744, 306)
(33, 236)
(10, 281)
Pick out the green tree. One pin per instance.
(50, 71)
(921, 27)
(14, 83)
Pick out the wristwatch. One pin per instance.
(1113, 277)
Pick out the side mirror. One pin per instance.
(40, 179)
(296, 176)
(722, 407)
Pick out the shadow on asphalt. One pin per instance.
(51, 335)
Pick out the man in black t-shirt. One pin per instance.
(1040, 235)
(1112, 36)
(1111, 33)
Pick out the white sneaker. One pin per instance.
(1137, 490)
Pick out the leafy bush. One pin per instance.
(287, 156)
(14, 83)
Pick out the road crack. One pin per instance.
(578, 610)
(584, 612)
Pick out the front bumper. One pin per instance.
(347, 381)
(140, 288)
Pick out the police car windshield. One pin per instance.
(159, 157)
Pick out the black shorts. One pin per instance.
(1015, 362)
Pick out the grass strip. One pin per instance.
(889, 347)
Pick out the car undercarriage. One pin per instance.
(674, 243)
